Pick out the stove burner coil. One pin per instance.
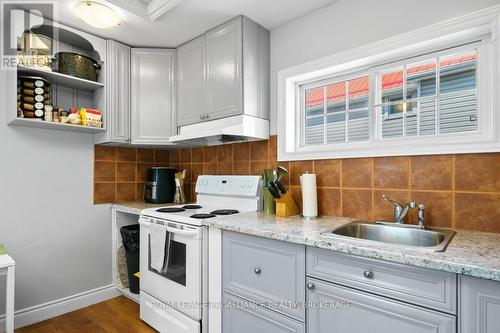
(202, 216)
(225, 212)
(170, 210)
(192, 207)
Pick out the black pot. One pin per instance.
(75, 64)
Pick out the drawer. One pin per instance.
(266, 271)
(243, 317)
(334, 308)
(425, 287)
(164, 319)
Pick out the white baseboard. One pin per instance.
(61, 306)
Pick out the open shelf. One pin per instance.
(61, 79)
(27, 122)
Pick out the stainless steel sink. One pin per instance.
(434, 239)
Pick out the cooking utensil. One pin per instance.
(75, 64)
(34, 50)
(277, 174)
(280, 186)
(274, 190)
(282, 171)
(267, 175)
(269, 203)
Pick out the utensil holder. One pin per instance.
(286, 206)
(269, 204)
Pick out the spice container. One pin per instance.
(39, 114)
(33, 94)
(28, 114)
(48, 113)
(63, 116)
(55, 114)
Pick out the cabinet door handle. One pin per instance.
(368, 274)
(310, 286)
(257, 270)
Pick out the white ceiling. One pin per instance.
(190, 18)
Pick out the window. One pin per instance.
(337, 112)
(430, 97)
(433, 96)
(425, 92)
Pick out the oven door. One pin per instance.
(180, 286)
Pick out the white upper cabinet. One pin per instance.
(191, 78)
(152, 90)
(224, 72)
(223, 65)
(117, 94)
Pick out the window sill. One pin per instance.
(467, 143)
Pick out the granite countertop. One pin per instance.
(470, 253)
(135, 207)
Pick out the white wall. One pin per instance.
(351, 23)
(60, 241)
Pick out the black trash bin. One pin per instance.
(130, 237)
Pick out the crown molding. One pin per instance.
(157, 8)
(152, 11)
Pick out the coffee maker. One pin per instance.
(160, 185)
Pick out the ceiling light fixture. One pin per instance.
(97, 14)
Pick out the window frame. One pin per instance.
(444, 38)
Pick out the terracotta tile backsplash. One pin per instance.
(461, 191)
(357, 173)
(391, 172)
(432, 172)
(478, 172)
(120, 172)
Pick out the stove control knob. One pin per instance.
(244, 184)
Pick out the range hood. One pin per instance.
(226, 130)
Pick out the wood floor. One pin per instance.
(117, 315)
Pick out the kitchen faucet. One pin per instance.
(400, 211)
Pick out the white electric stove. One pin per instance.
(172, 300)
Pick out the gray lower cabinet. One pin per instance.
(340, 293)
(333, 308)
(479, 309)
(265, 271)
(424, 287)
(240, 316)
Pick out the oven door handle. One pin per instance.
(189, 233)
(196, 233)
